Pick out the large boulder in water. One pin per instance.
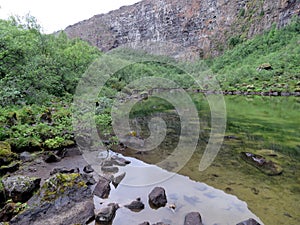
(157, 197)
(63, 199)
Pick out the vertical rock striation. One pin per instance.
(200, 27)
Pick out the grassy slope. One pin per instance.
(236, 69)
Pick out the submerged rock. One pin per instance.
(107, 214)
(249, 222)
(266, 166)
(157, 197)
(193, 218)
(102, 188)
(136, 205)
(20, 188)
(63, 199)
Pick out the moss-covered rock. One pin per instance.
(63, 199)
(20, 188)
(6, 155)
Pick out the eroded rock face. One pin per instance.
(200, 26)
(193, 218)
(20, 188)
(157, 197)
(63, 199)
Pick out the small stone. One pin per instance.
(88, 169)
(249, 222)
(193, 218)
(136, 205)
(157, 197)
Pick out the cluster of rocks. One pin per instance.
(67, 195)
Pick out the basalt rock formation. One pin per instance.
(200, 27)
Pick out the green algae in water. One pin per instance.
(257, 124)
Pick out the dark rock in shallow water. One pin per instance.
(88, 169)
(63, 199)
(107, 214)
(20, 188)
(193, 218)
(266, 166)
(102, 188)
(136, 205)
(160, 223)
(157, 197)
(249, 222)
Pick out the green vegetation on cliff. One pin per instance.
(268, 62)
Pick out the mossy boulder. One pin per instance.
(20, 188)
(6, 155)
(63, 199)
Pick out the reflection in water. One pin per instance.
(215, 206)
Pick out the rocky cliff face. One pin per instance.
(200, 27)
